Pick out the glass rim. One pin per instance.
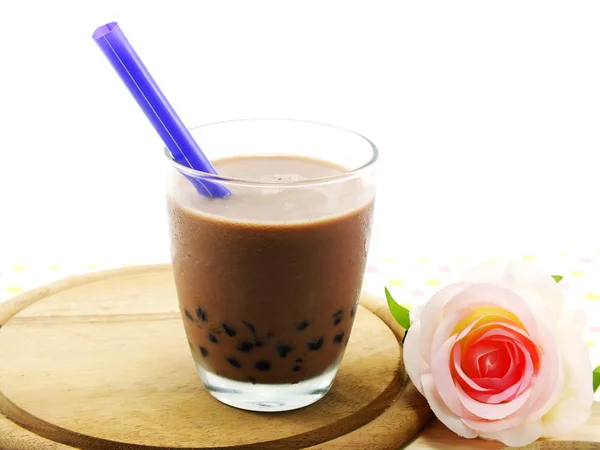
(353, 173)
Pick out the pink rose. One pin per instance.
(498, 356)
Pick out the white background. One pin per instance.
(486, 114)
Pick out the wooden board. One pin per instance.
(101, 361)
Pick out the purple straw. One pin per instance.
(155, 105)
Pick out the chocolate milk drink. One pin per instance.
(269, 293)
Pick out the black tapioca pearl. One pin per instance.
(234, 362)
(249, 326)
(245, 346)
(259, 344)
(302, 325)
(203, 351)
(201, 314)
(284, 349)
(315, 344)
(189, 316)
(296, 369)
(270, 335)
(212, 338)
(337, 317)
(263, 365)
(229, 330)
(338, 338)
(353, 311)
(298, 360)
(252, 380)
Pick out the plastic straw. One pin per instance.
(156, 107)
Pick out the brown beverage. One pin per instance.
(268, 280)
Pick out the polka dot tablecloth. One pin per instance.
(411, 281)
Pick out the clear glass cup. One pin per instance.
(269, 278)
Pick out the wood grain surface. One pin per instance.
(101, 361)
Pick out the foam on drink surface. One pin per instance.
(273, 204)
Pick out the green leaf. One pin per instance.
(596, 378)
(400, 313)
(557, 278)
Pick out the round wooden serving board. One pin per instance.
(101, 361)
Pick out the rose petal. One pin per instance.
(491, 412)
(514, 333)
(431, 316)
(543, 312)
(442, 412)
(573, 321)
(517, 435)
(490, 390)
(486, 294)
(444, 331)
(413, 362)
(502, 330)
(485, 323)
(444, 382)
(415, 314)
(492, 426)
(529, 372)
(573, 405)
(491, 271)
(498, 425)
(456, 355)
(567, 415)
(503, 363)
(521, 275)
(527, 348)
(550, 374)
(440, 363)
(471, 359)
(498, 384)
(506, 395)
(576, 362)
(515, 355)
(516, 389)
